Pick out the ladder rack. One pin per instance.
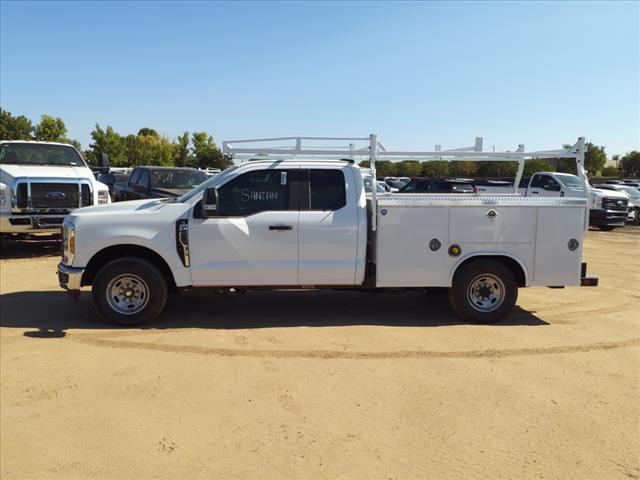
(370, 148)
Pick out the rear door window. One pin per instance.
(327, 190)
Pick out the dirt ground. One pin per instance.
(328, 385)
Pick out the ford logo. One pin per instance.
(55, 195)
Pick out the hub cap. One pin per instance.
(486, 293)
(127, 294)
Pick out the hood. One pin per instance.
(47, 171)
(608, 193)
(131, 206)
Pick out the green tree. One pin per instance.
(148, 131)
(610, 171)
(537, 165)
(408, 168)
(15, 128)
(594, 160)
(181, 154)
(110, 142)
(51, 129)
(435, 168)
(206, 153)
(496, 169)
(463, 169)
(630, 164)
(148, 150)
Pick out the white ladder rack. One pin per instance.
(332, 148)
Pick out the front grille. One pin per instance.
(619, 204)
(54, 195)
(87, 198)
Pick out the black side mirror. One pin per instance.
(210, 202)
(104, 163)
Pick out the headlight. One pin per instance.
(594, 202)
(103, 197)
(68, 242)
(3, 193)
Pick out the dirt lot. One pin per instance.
(323, 385)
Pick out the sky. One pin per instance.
(417, 74)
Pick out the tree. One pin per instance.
(435, 168)
(51, 129)
(207, 153)
(496, 169)
(110, 142)
(181, 154)
(15, 128)
(408, 168)
(537, 165)
(610, 171)
(630, 164)
(594, 160)
(462, 169)
(148, 131)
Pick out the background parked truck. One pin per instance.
(40, 183)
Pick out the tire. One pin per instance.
(129, 291)
(483, 291)
(605, 228)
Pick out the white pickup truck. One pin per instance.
(301, 219)
(40, 182)
(607, 209)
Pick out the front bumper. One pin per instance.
(30, 224)
(70, 278)
(608, 218)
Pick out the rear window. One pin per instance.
(327, 190)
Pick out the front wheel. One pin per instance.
(129, 291)
(483, 291)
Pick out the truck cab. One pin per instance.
(160, 182)
(40, 183)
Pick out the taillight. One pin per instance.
(475, 189)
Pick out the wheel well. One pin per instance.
(108, 254)
(509, 262)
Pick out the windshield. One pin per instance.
(180, 179)
(40, 154)
(210, 181)
(571, 181)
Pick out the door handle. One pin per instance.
(280, 227)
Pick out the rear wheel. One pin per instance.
(483, 291)
(129, 291)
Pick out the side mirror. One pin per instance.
(210, 202)
(104, 163)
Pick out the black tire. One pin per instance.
(153, 284)
(488, 274)
(605, 228)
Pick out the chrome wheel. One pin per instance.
(486, 293)
(127, 294)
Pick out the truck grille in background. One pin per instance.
(53, 196)
(614, 204)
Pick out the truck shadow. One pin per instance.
(52, 314)
(12, 249)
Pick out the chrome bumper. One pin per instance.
(30, 224)
(69, 278)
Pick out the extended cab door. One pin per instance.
(254, 239)
(329, 227)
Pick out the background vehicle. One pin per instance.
(112, 179)
(437, 185)
(304, 223)
(160, 182)
(41, 182)
(633, 195)
(608, 208)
